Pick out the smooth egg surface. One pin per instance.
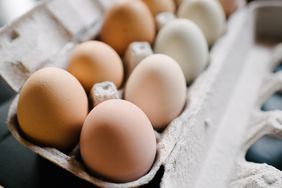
(183, 40)
(230, 6)
(127, 21)
(158, 6)
(92, 62)
(52, 107)
(157, 86)
(207, 14)
(117, 141)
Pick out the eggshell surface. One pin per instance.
(117, 141)
(158, 6)
(207, 14)
(178, 2)
(230, 6)
(157, 86)
(93, 62)
(125, 22)
(182, 40)
(52, 107)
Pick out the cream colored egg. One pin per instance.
(117, 141)
(52, 107)
(207, 14)
(157, 86)
(93, 61)
(183, 40)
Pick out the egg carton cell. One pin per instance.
(273, 103)
(266, 150)
(250, 174)
(206, 145)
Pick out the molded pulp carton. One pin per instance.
(206, 145)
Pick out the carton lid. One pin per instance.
(44, 36)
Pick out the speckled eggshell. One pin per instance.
(92, 62)
(183, 40)
(52, 107)
(157, 86)
(207, 14)
(117, 141)
(125, 22)
(158, 6)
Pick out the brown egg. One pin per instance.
(117, 141)
(127, 21)
(158, 6)
(178, 2)
(157, 86)
(93, 61)
(52, 107)
(230, 6)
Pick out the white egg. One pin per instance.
(183, 40)
(207, 14)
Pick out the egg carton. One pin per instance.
(206, 144)
(247, 174)
(244, 122)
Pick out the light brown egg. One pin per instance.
(93, 61)
(52, 107)
(230, 6)
(157, 85)
(158, 6)
(127, 21)
(117, 141)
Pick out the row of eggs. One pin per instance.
(116, 137)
